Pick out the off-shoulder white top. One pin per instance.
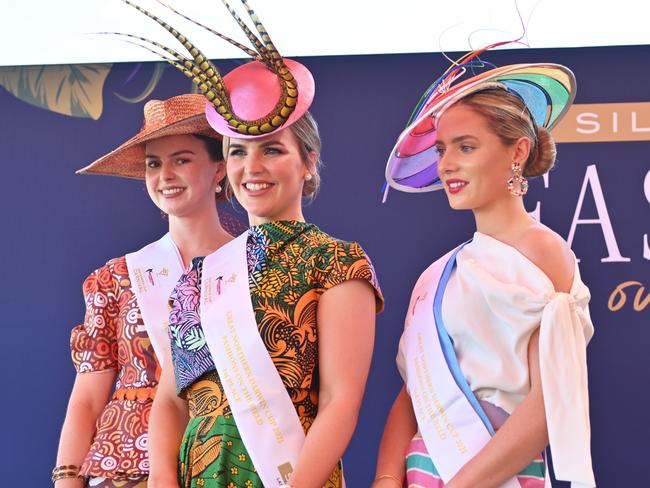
(494, 301)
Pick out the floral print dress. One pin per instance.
(290, 265)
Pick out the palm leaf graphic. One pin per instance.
(74, 90)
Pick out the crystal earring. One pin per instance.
(308, 177)
(517, 185)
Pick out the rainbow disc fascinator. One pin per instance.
(253, 100)
(547, 90)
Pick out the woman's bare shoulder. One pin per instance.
(549, 252)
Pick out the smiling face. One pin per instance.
(474, 162)
(267, 175)
(180, 175)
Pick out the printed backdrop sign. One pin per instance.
(59, 227)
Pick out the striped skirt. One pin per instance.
(422, 473)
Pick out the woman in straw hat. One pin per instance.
(272, 335)
(493, 352)
(104, 439)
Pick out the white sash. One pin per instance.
(452, 423)
(154, 271)
(260, 403)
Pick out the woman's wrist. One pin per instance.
(161, 480)
(66, 472)
(387, 479)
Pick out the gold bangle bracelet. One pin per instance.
(65, 467)
(65, 474)
(389, 477)
(65, 471)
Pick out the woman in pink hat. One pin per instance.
(272, 335)
(273, 389)
(104, 439)
(493, 353)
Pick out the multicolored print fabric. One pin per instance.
(290, 265)
(190, 352)
(113, 338)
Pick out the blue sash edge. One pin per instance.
(448, 346)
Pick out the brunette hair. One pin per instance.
(214, 147)
(510, 119)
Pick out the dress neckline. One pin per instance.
(522, 257)
(280, 230)
(277, 223)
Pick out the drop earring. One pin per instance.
(217, 189)
(517, 185)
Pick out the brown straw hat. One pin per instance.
(183, 114)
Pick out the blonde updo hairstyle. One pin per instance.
(305, 130)
(510, 119)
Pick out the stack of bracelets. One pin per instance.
(65, 471)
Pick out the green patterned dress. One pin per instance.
(290, 265)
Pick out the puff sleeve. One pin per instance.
(93, 344)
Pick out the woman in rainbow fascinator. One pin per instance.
(493, 353)
(271, 336)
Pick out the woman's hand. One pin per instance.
(70, 483)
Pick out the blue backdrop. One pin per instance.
(58, 227)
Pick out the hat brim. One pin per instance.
(548, 90)
(254, 92)
(128, 159)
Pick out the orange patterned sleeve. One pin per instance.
(348, 261)
(94, 343)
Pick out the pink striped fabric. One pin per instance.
(422, 473)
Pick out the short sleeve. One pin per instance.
(93, 344)
(341, 261)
